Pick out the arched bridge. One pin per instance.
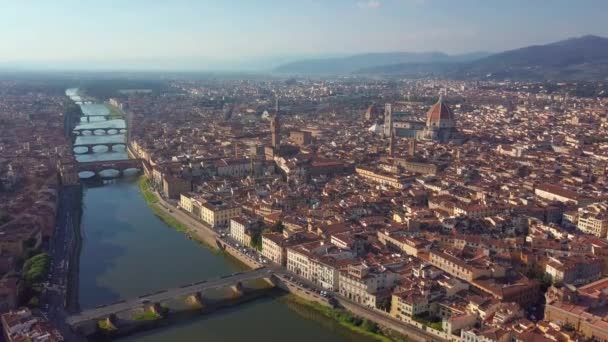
(88, 117)
(119, 165)
(102, 312)
(106, 130)
(89, 147)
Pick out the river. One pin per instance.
(128, 251)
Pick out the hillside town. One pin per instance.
(477, 211)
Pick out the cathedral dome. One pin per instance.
(373, 110)
(440, 115)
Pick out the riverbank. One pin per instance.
(348, 320)
(114, 112)
(152, 200)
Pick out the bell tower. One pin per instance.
(275, 127)
(388, 120)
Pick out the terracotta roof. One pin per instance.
(439, 112)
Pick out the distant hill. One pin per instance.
(575, 58)
(355, 63)
(582, 58)
(413, 69)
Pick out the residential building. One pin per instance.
(217, 213)
(575, 270)
(366, 285)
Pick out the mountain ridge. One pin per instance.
(353, 63)
(584, 58)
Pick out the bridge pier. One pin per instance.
(86, 328)
(238, 289)
(110, 322)
(155, 308)
(195, 299)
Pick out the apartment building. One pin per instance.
(575, 270)
(239, 227)
(218, 213)
(384, 178)
(468, 270)
(366, 285)
(318, 262)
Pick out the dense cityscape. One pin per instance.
(466, 210)
(328, 171)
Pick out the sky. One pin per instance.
(220, 32)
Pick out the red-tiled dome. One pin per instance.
(440, 115)
(373, 111)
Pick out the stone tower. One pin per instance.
(275, 126)
(411, 148)
(388, 120)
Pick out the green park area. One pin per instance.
(35, 271)
(146, 190)
(152, 199)
(36, 268)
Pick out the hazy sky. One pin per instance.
(107, 30)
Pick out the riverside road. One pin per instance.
(55, 296)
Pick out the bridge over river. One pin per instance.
(196, 289)
(88, 118)
(96, 167)
(89, 147)
(97, 130)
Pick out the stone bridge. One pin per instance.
(190, 292)
(119, 165)
(89, 147)
(88, 117)
(106, 130)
